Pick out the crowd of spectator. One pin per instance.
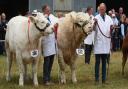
(120, 28)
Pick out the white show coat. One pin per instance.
(101, 43)
(90, 38)
(49, 41)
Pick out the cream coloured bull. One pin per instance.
(22, 43)
(72, 29)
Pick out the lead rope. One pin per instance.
(102, 32)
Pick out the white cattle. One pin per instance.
(22, 43)
(72, 29)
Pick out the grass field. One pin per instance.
(85, 76)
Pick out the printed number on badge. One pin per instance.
(34, 53)
(80, 51)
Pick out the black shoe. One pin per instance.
(86, 62)
(97, 82)
(104, 82)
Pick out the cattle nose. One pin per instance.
(89, 27)
(47, 25)
(52, 29)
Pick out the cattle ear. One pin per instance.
(32, 18)
(73, 15)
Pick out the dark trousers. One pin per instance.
(47, 67)
(116, 44)
(88, 49)
(103, 58)
(121, 42)
(2, 48)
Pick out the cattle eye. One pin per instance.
(90, 18)
(81, 21)
(87, 22)
(42, 22)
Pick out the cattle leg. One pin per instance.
(62, 67)
(25, 72)
(73, 71)
(124, 59)
(34, 72)
(9, 65)
(21, 68)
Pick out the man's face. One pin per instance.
(47, 10)
(3, 16)
(102, 10)
(110, 13)
(91, 11)
(121, 10)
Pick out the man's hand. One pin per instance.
(95, 21)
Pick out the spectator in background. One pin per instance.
(115, 34)
(110, 13)
(122, 29)
(49, 47)
(113, 11)
(1, 37)
(60, 14)
(28, 14)
(126, 26)
(3, 21)
(115, 20)
(89, 40)
(3, 31)
(121, 12)
(97, 11)
(34, 13)
(4, 24)
(0, 24)
(123, 17)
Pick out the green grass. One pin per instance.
(85, 76)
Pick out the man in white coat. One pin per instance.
(89, 40)
(102, 41)
(49, 48)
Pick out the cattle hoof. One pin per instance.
(63, 81)
(74, 81)
(21, 83)
(36, 84)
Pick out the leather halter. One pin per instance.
(82, 26)
(47, 25)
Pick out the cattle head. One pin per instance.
(83, 21)
(41, 23)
